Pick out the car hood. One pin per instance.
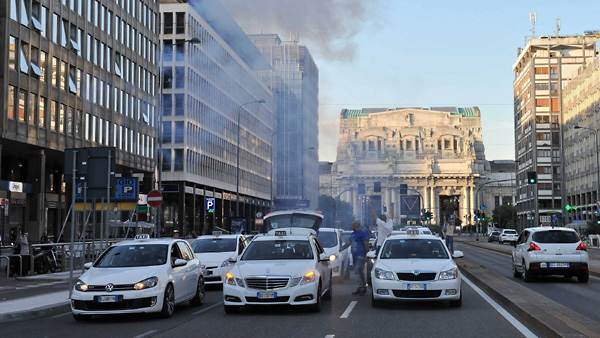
(126, 275)
(214, 258)
(269, 268)
(398, 265)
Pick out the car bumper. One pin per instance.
(297, 295)
(336, 268)
(393, 290)
(545, 268)
(216, 275)
(131, 301)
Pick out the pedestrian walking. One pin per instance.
(359, 240)
(24, 242)
(385, 226)
(450, 238)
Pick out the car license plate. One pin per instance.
(559, 265)
(108, 299)
(267, 295)
(209, 272)
(416, 286)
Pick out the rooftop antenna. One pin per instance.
(557, 32)
(532, 19)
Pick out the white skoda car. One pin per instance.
(415, 267)
(286, 266)
(214, 252)
(143, 275)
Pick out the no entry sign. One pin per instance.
(154, 198)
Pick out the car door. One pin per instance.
(191, 269)
(178, 273)
(520, 247)
(322, 267)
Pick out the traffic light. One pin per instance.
(377, 186)
(531, 177)
(428, 215)
(361, 188)
(482, 216)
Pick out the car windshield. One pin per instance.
(495, 233)
(327, 239)
(214, 245)
(121, 256)
(414, 248)
(510, 232)
(295, 220)
(555, 236)
(277, 249)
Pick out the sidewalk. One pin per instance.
(593, 253)
(36, 296)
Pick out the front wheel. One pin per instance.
(168, 302)
(316, 307)
(527, 276)
(329, 293)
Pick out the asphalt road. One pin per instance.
(580, 297)
(475, 318)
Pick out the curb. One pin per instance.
(35, 313)
(593, 272)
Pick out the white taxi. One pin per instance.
(215, 251)
(286, 266)
(142, 275)
(331, 240)
(415, 267)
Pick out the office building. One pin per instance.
(542, 70)
(206, 85)
(75, 73)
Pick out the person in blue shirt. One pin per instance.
(359, 240)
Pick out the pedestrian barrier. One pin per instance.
(8, 265)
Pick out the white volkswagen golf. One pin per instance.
(415, 267)
(142, 275)
(286, 266)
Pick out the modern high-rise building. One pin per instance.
(74, 73)
(542, 70)
(294, 81)
(210, 84)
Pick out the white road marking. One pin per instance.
(37, 285)
(330, 336)
(145, 334)
(207, 308)
(349, 309)
(62, 314)
(512, 320)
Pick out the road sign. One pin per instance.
(258, 221)
(555, 218)
(210, 204)
(482, 207)
(598, 203)
(451, 218)
(154, 198)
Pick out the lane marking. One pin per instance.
(330, 336)
(207, 308)
(349, 309)
(62, 314)
(512, 320)
(145, 334)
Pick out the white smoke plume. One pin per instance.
(328, 25)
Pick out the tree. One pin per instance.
(327, 205)
(504, 216)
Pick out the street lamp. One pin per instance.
(595, 131)
(160, 123)
(237, 170)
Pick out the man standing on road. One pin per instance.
(360, 245)
(25, 251)
(384, 226)
(450, 237)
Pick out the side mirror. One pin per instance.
(458, 254)
(324, 258)
(371, 254)
(232, 260)
(88, 265)
(179, 262)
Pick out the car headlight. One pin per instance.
(449, 274)
(229, 279)
(296, 281)
(383, 274)
(227, 263)
(309, 277)
(146, 283)
(81, 286)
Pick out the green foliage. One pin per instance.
(505, 216)
(327, 205)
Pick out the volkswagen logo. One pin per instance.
(109, 287)
(416, 272)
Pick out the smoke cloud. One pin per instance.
(329, 25)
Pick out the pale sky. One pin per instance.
(428, 53)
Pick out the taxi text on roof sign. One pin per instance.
(280, 233)
(142, 236)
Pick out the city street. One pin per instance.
(344, 316)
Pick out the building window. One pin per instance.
(69, 121)
(32, 100)
(43, 58)
(179, 132)
(22, 105)
(78, 123)
(167, 132)
(179, 104)
(180, 21)
(13, 10)
(168, 23)
(42, 112)
(53, 109)
(178, 160)
(166, 163)
(11, 102)
(54, 27)
(63, 75)
(54, 72)
(24, 13)
(12, 52)
(23, 58)
(63, 37)
(36, 17)
(61, 119)
(179, 77)
(167, 104)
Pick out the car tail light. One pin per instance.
(533, 247)
(581, 247)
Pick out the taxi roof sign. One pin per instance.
(217, 233)
(412, 232)
(142, 236)
(280, 233)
